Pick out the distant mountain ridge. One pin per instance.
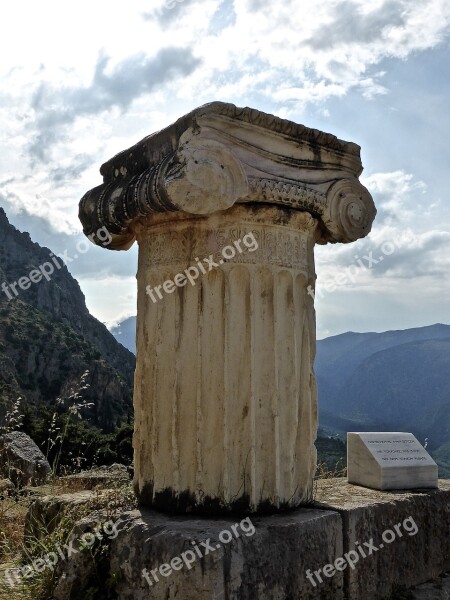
(339, 356)
(48, 338)
(395, 379)
(125, 333)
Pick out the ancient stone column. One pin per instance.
(226, 206)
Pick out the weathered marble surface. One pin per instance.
(225, 394)
(226, 412)
(219, 155)
(389, 461)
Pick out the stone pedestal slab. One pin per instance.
(271, 564)
(405, 560)
(274, 557)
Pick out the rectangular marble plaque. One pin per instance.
(389, 461)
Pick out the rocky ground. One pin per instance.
(438, 589)
(27, 532)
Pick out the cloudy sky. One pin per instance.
(84, 80)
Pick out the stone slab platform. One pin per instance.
(437, 589)
(388, 541)
(405, 557)
(270, 563)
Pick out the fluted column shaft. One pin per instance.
(225, 395)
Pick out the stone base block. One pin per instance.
(254, 558)
(410, 531)
(353, 544)
(437, 589)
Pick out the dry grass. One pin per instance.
(323, 472)
(13, 511)
(12, 521)
(68, 486)
(33, 590)
(14, 553)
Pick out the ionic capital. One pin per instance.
(220, 155)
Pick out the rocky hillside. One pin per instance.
(48, 339)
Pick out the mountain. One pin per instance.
(442, 457)
(50, 346)
(125, 333)
(390, 380)
(339, 356)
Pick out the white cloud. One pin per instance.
(408, 287)
(84, 80)
(76, 71)
(107, 307)
(403, 263)
(395, 194)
